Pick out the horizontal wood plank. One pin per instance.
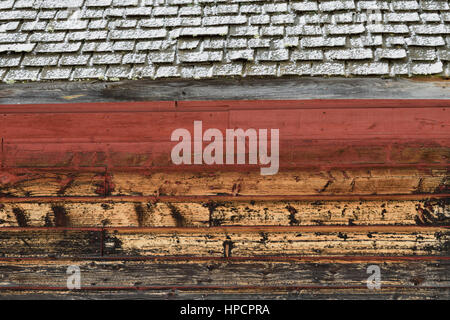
(220, 105)
(91, 198)
(119, 213)
(277, 241)
(223, 273)
(226, 241)
(289, 182)
(308, 136)
(352, 293)
(224, 89)
(300, 123)
(48, 242)
(51, 182)
(293, 154)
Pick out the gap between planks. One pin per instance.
(221, 105)
(194, 259)
(156, 199)
(264, 288)
(232, 229)
(305, 294)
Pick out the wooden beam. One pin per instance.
(270, 241)
(226, 241)
(270, 293)
(224, 89)
(333, 136)
(118, 212)
(314, 181)
(129, 274)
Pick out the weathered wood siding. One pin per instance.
(361, 182)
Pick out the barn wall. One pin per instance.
(87, 179)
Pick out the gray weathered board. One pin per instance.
(229, 89)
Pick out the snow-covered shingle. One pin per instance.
(101, 39)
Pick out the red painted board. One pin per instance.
(215, 105)
(293, 153)
(313, 104)
(310, 124)
(312, 132)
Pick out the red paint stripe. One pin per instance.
(237, 259)
(252, 229)
(357, 228)
(19, 229)
(298, 124)
(93, 107)
(313, 132)
(154, 106)
(294, 153)
(316, 104)
(193, 168)
(209, 287)
(386, 197)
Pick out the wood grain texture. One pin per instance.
(270, 293)
(313, 181)
(119, 213)
(327, 136)
(225, 241)
(293, 154)
(277, 241)
(223, 273)
(225, 89)
(51, 182)
(361, 182)
(48, 242)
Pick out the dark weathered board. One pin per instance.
(225, 89)
(116, 212)
(270, 293)
(135, 273)
(50, 242)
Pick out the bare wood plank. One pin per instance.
(277, 241)
(103, 213)
(397, 293)
(286, 182)
(48, 182)
(229, 241)
(50, 242)
(222, 273)
(278, 88)
(330, 213)
(119, 213)
(51, 182)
